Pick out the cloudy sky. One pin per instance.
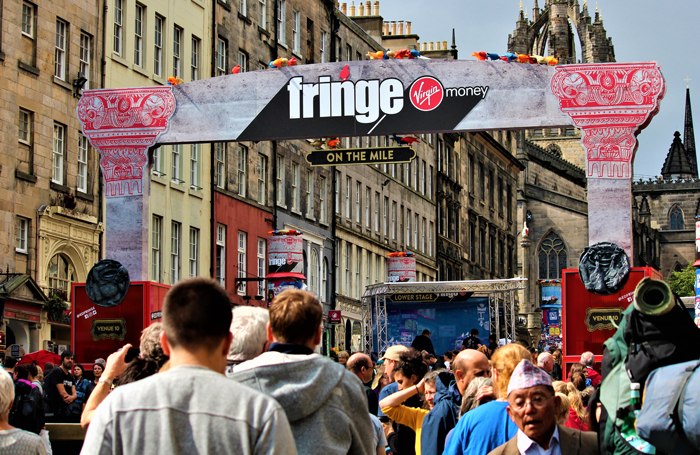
(642, 31)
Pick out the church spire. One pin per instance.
(677, 165)
(689, 135)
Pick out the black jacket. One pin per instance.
(423, 343)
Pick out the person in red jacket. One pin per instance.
(588, 360)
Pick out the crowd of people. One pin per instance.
(212, 380)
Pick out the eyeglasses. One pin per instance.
(537, 401)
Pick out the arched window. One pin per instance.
(552, 257)
(324, 280)
(61, 275)
(314, 272)
(675, 216)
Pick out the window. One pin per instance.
(28, 19)
(386, 216)
(242, 240)
(157, 162)
(348, 201)
(85, 55)
(337, 192)
(177, 39)
(509, 202)
(313, 282)
(377, 266)
(177, 164)
(194, 167)
(194, 252)
(322, 192)
(482, 247)
(59, 134)
(358, 205)
(158, 47)
(358, 273)
(61, 274)
(470, 178)
(243, 7)
(552, 257)
(407, 180)
(676, 218)
(368, 208)
(472, 240)
(570, 131)
(430, 183)
(492, 254)
(243, 62)
(175, 232)
(280, 181)
(376, 212)
(194, 61)
(408, 228)
(324, 280)
(242, 170)
(262, 179)
(368, 268)
(263, 14)
(60, 51)
(220, 57)
(296, 31)
(348, 276)
(422, 237)
(295, 186)
(323, 47)
(348, 53)
(25, 127)
(82, 162)
(220, 165)
(422, 178)
(310, 193)
(221, 254)
(21, 234)
(156, 236)
(282, 21)
(430, 238)
(138, 35)
(482, 183)
(262, 245)
(118, 28)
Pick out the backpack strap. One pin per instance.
(677, 402)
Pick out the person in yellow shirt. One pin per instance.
(409, 374)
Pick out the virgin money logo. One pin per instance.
(426, 93)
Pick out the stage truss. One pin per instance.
(500, 294)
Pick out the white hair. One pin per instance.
(7, 394)
(587, 359)
(249, 329)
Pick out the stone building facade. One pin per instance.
(50, 188)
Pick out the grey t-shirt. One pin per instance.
(188, 410)
(379, 437)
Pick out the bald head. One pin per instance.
(361, 365)
(587, 359)
(470, 364)
(546, 362)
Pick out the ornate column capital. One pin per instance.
(611, 103)
(122, 124)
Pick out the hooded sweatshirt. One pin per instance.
(325, 404)
(443, 417)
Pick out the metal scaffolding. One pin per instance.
(500, 294)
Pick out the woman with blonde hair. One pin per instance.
(563, 415)
(488, 426)
(577, 413)
(13, 440)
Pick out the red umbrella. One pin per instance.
(40, 358)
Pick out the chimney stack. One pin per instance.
(393, 27)
(408, 28)
(352, 8)
(400, 28)
(344, 8)
(368, 8)
(361, 9)
(444, 45)
(376, 8)
(385, 29)
(430, 45)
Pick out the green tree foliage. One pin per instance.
(683, 282)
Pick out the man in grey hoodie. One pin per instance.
(325, 404)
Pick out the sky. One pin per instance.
(641, 31)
